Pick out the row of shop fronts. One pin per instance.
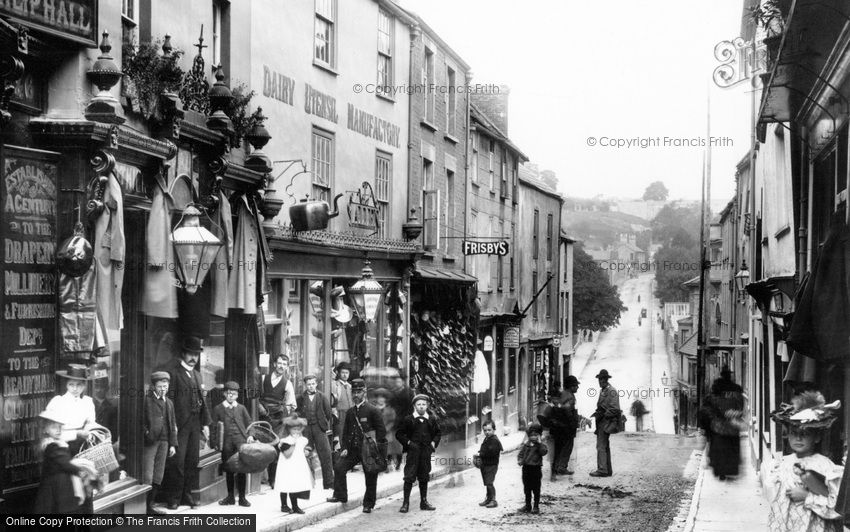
(362, 278)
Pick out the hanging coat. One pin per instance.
(160, 293)
(109, 256)
(242, 285)
(221, 267)
(77, 311)
(823, 313)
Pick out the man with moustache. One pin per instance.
(193, 418)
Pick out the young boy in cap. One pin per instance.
(419, 435)
(230, 422)
(531, 459)
(160, 430)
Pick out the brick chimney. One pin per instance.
(492, 100)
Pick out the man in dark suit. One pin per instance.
(193, 418)
(316, 409)
(160, 430)
(361, 418)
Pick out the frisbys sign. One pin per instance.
(75, 20)
(471, 247)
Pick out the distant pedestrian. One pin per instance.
(63, 488)
(294, 475)
(316, 409)
(159, 426)
(419, 435)
(608, 421)
(491, 449)
(638, 410)
(530, 458)
(803, 487)
(230, 423)
(361, 419)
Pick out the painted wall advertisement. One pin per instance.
(28, 301)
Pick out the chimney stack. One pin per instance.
(492, 100)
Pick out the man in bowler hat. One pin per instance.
(419, 435)
(360, 419)
(193, 419)
(607, 416)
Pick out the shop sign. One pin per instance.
(488, 343)
(556, 341)
(511, 340)
(75, 20)
(363, 208)
(28, 93)
(319, 104)
(278, 86)
(471, 247)
(28, 334)
(372, 126)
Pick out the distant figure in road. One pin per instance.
(608, 421)
(722, 420)
(638, 410)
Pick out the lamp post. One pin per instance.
(367, 294)
(195, 247)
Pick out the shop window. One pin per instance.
(385, 51)
(322, 164)
(324, 52)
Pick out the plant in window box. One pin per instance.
(150, 75)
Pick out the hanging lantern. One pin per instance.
(367, 294)
(742, 278)
(195, 247)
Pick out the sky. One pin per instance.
(613, 70)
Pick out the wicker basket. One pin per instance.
(263, 433)
(98, 449)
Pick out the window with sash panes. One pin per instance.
(534, 293)
(385, 51)
(322, 168)
(449, 203)
(325, 30)
(383, 177)
(216, 33)
(473, 222)
(451, 101)
(500, 283)
(535, 230)
(549, 229)
(427, 81)
(549, 288)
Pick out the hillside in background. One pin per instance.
(601, 226)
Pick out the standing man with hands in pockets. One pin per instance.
(608, 421)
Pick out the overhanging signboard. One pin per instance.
(471, 247)
(75, 20)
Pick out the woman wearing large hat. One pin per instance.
(803, 486)
(76, 409)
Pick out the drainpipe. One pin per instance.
(412, 198)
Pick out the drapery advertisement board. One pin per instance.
(28, 301)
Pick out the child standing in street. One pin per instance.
(803, 486)
(419, 434)
(294, 475)
(489, 453)
(531, 459)
(230, 421)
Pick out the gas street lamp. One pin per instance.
(195, 247)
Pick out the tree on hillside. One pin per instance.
(672, 220)
(656, 191)
(673, 266)
(596, 305)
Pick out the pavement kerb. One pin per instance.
(314, 514)
(690, 522)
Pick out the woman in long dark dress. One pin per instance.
(63, 481)
(724, 414)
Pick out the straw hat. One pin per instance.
(807, 410)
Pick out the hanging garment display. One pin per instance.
(109, 256)
(160, 294)
(242, 285)
(223, 263)
(77, 311)
(75, 255)
(481, 374)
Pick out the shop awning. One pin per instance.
(440, 274)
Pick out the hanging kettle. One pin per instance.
(75, 254)
(312, 215)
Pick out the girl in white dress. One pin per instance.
(803, 486)
(294, 476)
